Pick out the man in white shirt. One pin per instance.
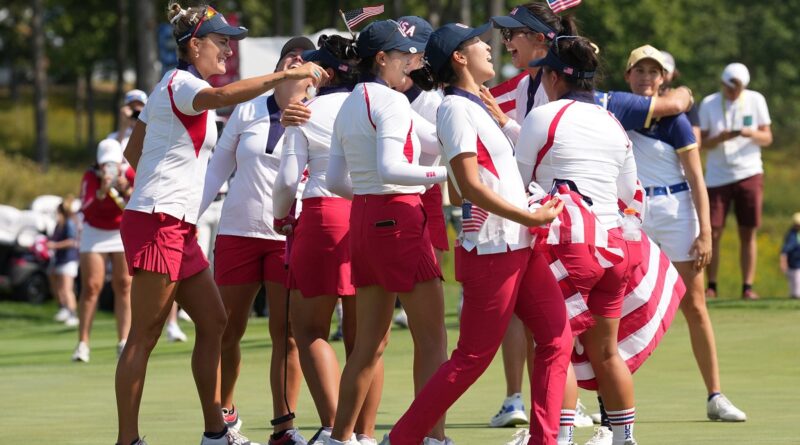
(735, 124)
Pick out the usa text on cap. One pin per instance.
(416, 28)
(384, 35)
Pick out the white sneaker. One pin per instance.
(363, 439)
(521, 437)
(597, 418)
(121, 346)
(174, 333)
(232, 437)
(184, 316)
(385, 440)
(81, 353)
(231, 418)
(582, 420)
(511, 413)
(321, 436)
(62, 315)
(720, 408)
(602, 436)
(72, 321)
(401, 319)
(432, 441)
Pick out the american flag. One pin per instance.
(652, 298)
(637, 203)
(356, 16)
(505, 93)
(560, 5)
(475, 221)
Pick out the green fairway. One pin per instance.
(48, 399)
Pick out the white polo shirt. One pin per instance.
(251, 146)
(373, 132)
(177, 144)
(529, 94)
(307, 147)
(424, 105)
(738, 158)
(464, 125)
(582, 142)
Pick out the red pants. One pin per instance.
(495, 286)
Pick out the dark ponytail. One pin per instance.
(344, 50)
(580, 54)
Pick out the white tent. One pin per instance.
(259, 55)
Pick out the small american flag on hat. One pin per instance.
(356, 16)
(560, 5)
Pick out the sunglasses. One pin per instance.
(509, 33)
(209, 14)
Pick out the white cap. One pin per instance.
(109, 150)
(669, 62)
(735, 71)
(135, 96)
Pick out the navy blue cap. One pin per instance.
(521, 17)
(416, 28)
(554, 62)
(444, 41)
(214, 22)
(384, 35)
(325, 59)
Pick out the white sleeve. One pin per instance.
(511, 129)
(626, 181)
(762, 112)
(223, 160)
(532, 138)
(184, 88)
(338, 177)
(426, 132)
(294, 157)
(393, 126)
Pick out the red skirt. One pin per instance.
(244, 259)
(437, 228)
(161, 243)
(390, 245)
(319, 263)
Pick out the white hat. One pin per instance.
(135, 96)
(109, 150)
(669, 62)
(735, 71)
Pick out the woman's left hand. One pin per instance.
(701, 251)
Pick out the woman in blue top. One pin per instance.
(677, 217)
(64, 263)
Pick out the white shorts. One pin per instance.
(100, 241)
(69, 269)
(671, 222)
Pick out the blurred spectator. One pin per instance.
(135, 101)
(64, 263)
(790, 257)
(735, 124)
(105, 189)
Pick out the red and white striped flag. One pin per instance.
(560, 5)
(505, 93)
(475, 221)
(652, 297)
(356, 16)
(637, 203)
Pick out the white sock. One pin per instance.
(566, 427)
(622, 425)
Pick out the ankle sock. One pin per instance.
(216, 435)
(746, 287)
(566, 427)
(622, 425)
(712, 395)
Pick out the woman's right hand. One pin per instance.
(546, 213)
(295, 114)
(308, 70)
(491, 105)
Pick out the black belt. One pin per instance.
(667, 190)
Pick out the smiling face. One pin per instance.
(209, 53)
(524, 46)
(292, 59)
(476, 57)
(645, 78)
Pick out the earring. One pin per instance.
(196, 55)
